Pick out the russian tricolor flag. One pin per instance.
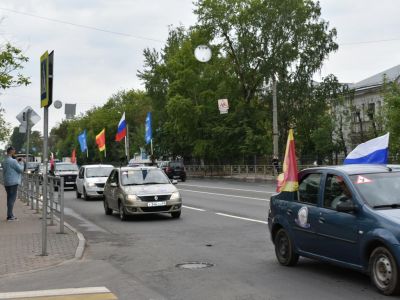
(374, 151)
(121, 133)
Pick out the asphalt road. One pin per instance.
(223, 225)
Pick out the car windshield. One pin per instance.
(176, 165)
(379, 190)
(98, 172)
(66, 167)
(145, 176)
(32, 165)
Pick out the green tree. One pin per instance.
(391, 109)
(11, 62)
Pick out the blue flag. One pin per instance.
(82, 141)
(148, 128)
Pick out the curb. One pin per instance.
(82, 241)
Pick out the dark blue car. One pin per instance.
(346, 215)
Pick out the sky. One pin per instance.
(102, 56)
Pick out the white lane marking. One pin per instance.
(241, 218)
(227, 195)
(221, 188)
(58, 292)
(194, 208)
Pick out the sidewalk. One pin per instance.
(21, 241)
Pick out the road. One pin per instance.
(223, 226)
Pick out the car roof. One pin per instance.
(138, 168)
(354, 169)
(97, 166)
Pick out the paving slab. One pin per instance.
(21, 241)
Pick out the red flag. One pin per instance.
(73, 156)
(288, 181)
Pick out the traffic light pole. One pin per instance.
(44, 185)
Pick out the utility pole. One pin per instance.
(28, 128)
(275, 132)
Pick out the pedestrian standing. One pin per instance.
(12, 171)
(275, 164)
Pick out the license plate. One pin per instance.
(158, 203)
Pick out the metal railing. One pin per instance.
(31, 192)
(236, 171)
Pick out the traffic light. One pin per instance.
(24, 116)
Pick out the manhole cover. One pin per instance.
(194, 265)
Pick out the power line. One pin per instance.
(155, 40)
(82, 26)
(369, 42)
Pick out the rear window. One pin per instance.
(379, 188)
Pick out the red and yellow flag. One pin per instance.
(288, 181)
(101, 140)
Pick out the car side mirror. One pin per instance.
(174, 181)
(113, 184)
(346, 206)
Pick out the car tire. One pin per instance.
(122, 213)
(183, 179)
(176, 214)
(108, 211)
(85, 196)
(78, 195)
(284, 249)
(384, 271)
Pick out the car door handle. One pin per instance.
(321, 220)
(289, 212)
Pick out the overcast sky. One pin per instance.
(91, 65)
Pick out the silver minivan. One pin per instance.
(91, 180)
(141, 190)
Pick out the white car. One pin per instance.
(91, 180)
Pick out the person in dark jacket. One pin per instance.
(12, 171)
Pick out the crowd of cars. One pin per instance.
(138, 188)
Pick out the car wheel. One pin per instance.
(108, 211)
(284, 249)
(183, 179)
(78, 195)
(176, 214)
(122, 212)
(85, 196)
(383, 271)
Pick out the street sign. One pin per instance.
(34, 117)
(22, 129)
(46, 79)
(223, 106)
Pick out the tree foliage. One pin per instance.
(251, 41)
(11, 61)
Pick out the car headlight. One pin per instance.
(175, 196)
(91, 184)
(131, 198)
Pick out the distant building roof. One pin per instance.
(377, 79)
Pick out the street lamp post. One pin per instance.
(275, 132)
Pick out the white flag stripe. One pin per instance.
(370, 146)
